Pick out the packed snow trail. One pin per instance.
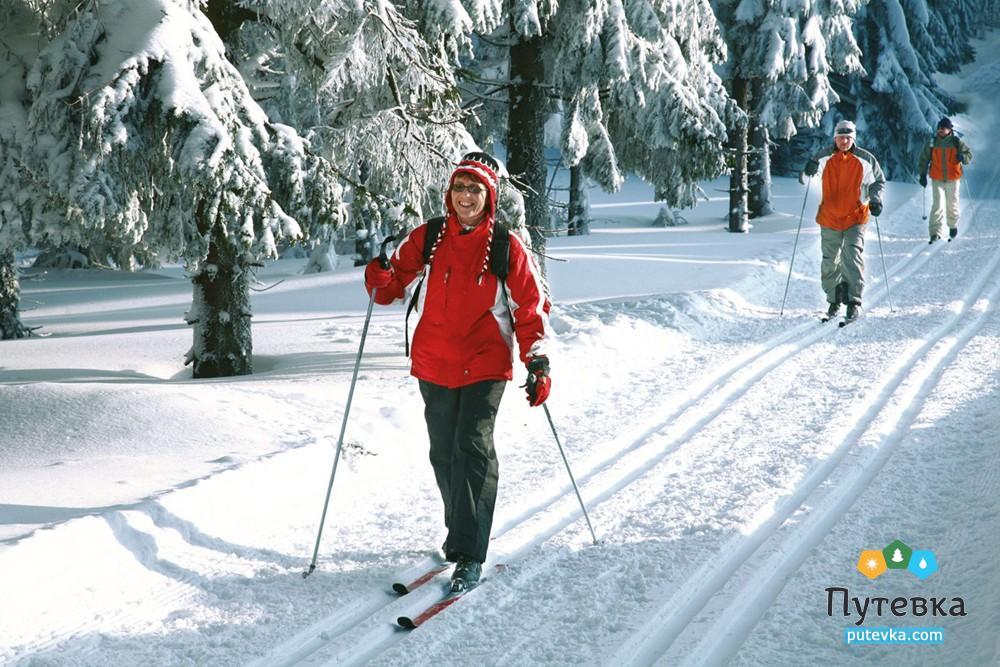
(631, 462)
(722, 392)
(721, 451)
(622, 473)
(722, 640)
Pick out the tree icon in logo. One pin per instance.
(897, 555)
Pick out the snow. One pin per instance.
(734, 462)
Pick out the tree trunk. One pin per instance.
(526, 137)
(10, 298)
(759, 196)
(578, 219)
(220, 313)
(227, 18)
(738, 177)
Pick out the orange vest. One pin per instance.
(841, 207)
(944, 160)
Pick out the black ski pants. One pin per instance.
(460, 425)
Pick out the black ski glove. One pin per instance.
(875, 206)
(812, 166)
(923, 180)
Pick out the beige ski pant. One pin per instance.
(944, 200)
(843, 261)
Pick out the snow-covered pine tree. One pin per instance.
(361, 82)
(25, 25)
(896, 103)
(666, 109)
(781, 56)
(144, 136)
(633, 80)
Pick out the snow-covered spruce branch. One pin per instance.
(407, 113)
(298, 44)
(408, 48)
(445, 121)
(481, 97)
(364, 190)
(400, 111)
(468, 75)
(505, 43)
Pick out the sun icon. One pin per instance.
(871, 563)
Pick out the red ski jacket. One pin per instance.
(465, 334)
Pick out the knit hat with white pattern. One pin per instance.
(482, 167)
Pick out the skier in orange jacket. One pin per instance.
(852, 188)
(945, 156)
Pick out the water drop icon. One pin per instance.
(923, 564)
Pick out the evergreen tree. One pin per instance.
(781, 57)
(141, 135)
(632, 79)
(21, 196)
(361, 82)
(895, 101)
(897, 105)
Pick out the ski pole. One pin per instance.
(384, 261)
(885, 273)
(923, 205)
(794, 248)
(571, 478)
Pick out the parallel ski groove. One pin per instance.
(721, 388)
(744, 612)
(654, 638)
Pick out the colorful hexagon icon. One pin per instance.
(897, 555)
(923, 563)
(871, 563)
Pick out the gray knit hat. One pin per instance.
(845, 128)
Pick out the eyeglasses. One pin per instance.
(471, 189)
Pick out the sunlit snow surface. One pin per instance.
(735, 463)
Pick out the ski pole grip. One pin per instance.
(383, 259)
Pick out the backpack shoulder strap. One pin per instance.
(500, 262)
(500, 252)
(434, 226)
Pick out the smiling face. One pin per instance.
(843, 142)
(943, 131)
(468, 197)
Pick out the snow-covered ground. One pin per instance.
(735, 463)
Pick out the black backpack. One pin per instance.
(499, 262)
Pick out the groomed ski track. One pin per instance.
(721, 479)
(727, 537)
(737, 569)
